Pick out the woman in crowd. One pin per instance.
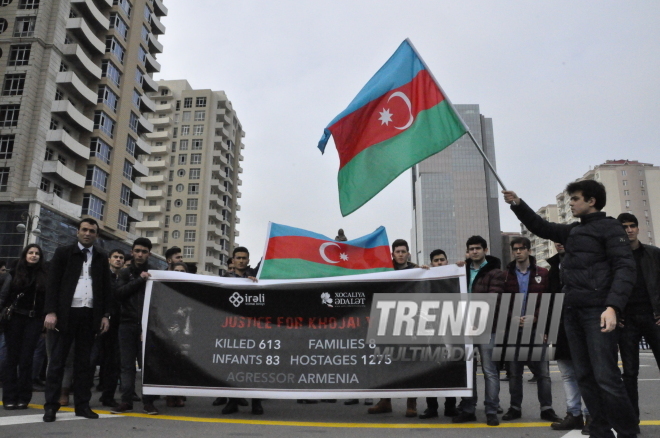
(27, 288)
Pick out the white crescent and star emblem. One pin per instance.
(342, 256)
(386, 116)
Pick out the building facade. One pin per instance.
(193, 182)
(455, 195)
(543, 249)
(72, 116)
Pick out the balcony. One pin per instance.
(143, 148)
(144, 126)
(150, 208)
(134, 215)
(59, 204)
(140, 169)
(159, 8)
(159, 150)
(221, 132)
(147, 105)
(158, 135)
(239, 182)
(72, 83)
(138, 191)
(240, 157)
(160, 122)
(163, 108)
(153, 179)
(148, 225)
(155, 46)
(156, 165)
(155, 194)
(81, 30)
(151, 64)
(157, 27)
(77, 56)
(65, 109)
(63, 173)
(148, 83)
(155, 240)
(90, 11)
(60, 137)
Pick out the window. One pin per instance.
(181, 173)
(175, 132)
(626, 193)
(125, 195)
(138, 77)
(93, 206)
(178, 203)
(188, 252)
(49, 154)
(178, 105)
(200, 102)
(14, 84)
(187, 102)
(54, 124)
(641, 183)
(195, 158)
(133, 122)
(171, 177)
(44, 185)
(625, 182)
(63, 67)
(200, 116)
(59, 95)
(19, 55)
(117, 23)
(130, 145)
(191, 204)
(136, 98)
(6, 146)
(198, 129)
(646, 213)
(183, 158)
(191, 220)
(24, 27)
(176, 234)
(189, 235)
(142, 55)
(149, 233)
(145, 34)
(197, 144)
(624, 173)
(194, 174)
(644, 202)
(122, 221)
(9, 115)
(173, 147)
(193, 189)
(113, 46)
(128, 170)
(147, 13)
(167, 221)
(176, 218)
(97, 178)
(172, 160)
(104, 123)
(61, 158)
(169, 190)
(168, 207)
(627, 204)
(57, 190)
(186, 116)
(185, 130)
(108, 97)
(4, 177)
(643, 192)
(125, 6)
(110, 71)
(28, 4)
(179, 187)
(183, 145)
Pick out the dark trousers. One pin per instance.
(544, 385)
(636, 326)
(81, 330)
(595, 359)
(22, 334)
(106, 354)
(432, 403)
(130, 347)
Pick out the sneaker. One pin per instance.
(464, 417)
(586, 430)
(492, 420)
(122, 408)
(512, 414)
(569, 422)
(550, 415)
(150, 409)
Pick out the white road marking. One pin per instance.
(646, 380)
(39, 418)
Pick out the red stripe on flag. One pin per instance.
(364, 127)
(307, 248)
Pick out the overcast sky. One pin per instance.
(568, 84)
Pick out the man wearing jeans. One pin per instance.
(484, 276)
(642, 315)
(599, 274)
(524, 277)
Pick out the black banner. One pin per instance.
(212, 336)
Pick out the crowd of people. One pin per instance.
(84, 308)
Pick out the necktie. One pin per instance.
(86, 251)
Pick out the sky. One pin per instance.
(568, 84)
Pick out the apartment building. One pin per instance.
(72, 117)
(193, 183)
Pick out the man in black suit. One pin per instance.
(78, 300)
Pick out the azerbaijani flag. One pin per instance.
(296, 253)
(397, 120)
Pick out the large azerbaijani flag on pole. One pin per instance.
(397, 120)
(296, 253)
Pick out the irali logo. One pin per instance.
(236, 299)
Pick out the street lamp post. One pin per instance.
(30, 226)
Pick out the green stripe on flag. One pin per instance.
(374, 168)
(287, 269)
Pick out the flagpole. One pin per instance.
(467, 128)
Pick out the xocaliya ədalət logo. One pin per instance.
(343, 299)
(248, 299)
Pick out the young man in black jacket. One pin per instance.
(599, 273)
(131, 285)
(642, 315)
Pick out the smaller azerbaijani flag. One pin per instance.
(296, 253)
(398, 119)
